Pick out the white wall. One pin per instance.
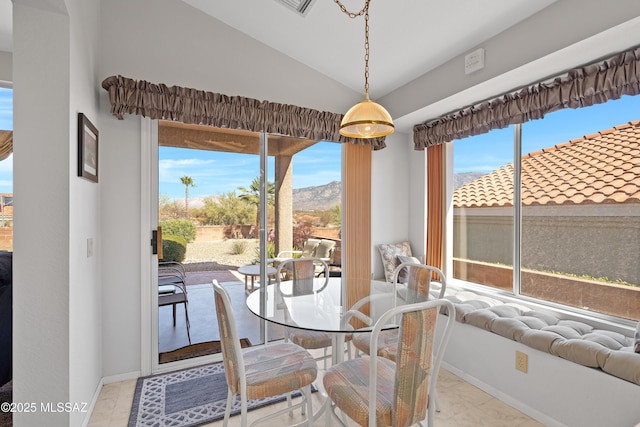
(57, 315)
(6, 67)
(42, 145)
(541, 46)
(85, 284)
(389, 197)
(555, 391)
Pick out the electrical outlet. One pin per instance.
(522, 362)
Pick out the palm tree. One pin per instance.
(252, 196)
(188, 182)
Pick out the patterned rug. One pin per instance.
(186, 398)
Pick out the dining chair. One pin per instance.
(272, 370)
(417, 289)
(303, 273)
(376, 391)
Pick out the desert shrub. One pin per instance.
(179, 227)
(301, 233)
(174, 248)
(239, 247)
(271, 252)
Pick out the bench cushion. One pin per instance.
(576, 341)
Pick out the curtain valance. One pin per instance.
(581, 87)
(6, 143)
(162, 102)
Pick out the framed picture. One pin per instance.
(87, 149)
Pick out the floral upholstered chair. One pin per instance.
(271, 370)
(375, 391)
(418, 285)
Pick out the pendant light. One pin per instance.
(366, 119)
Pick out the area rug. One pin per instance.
(196, 350)
(187, 398)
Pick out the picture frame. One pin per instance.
(87, 149)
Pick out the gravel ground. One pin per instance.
(219, 254)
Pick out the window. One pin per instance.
(580, 209)
(6, 169)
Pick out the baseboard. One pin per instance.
(92, 404)
(516, 404)
(121, 377)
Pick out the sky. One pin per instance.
(6, 123)
(487, 152)
(219, 173)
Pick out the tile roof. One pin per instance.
(599, 168)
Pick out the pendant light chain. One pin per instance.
(365, 12)
(366, 119)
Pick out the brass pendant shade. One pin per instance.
(366, 119)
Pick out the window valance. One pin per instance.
(595, 83)
(6, 143)
(159, 101)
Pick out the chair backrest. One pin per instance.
(302, 271)
(229, 339)
(416, 368)
(309, 247)
(420, 277)
(325, 249)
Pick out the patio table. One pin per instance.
(252, 271)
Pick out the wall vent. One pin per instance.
(300, 6)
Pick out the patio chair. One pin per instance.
(313, 248)
(172, 290)
(375, 391)
(303, 271)
(170, 273)
(271, 370)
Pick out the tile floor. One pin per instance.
(461, 403)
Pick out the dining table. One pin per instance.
(321, 307)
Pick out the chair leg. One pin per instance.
(306, 391)
(186, 316)
(227, 412)
(174, 315)
(324, 359)
(289, 404)
(243, 411)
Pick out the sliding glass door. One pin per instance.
(235, 199)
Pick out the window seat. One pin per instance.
(573, 340)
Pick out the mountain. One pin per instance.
(323, 197)
(320, 197)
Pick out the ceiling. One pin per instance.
(407, 38)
